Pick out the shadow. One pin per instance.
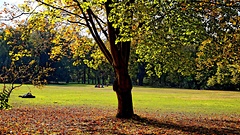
(187, 128)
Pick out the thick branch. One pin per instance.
(112, 37)
(101, 44)
(99, 24)
(89, 23)
(91, 26)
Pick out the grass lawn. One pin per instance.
(144, 99)
(83, 109)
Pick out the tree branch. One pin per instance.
(12, 18)
(112, 37)
(59, 8)
(91, 26)
(77, 22)
(99, 24)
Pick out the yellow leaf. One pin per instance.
(7, 32)
(31, 62)
(207, 41)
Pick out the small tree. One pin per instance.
(23, 67)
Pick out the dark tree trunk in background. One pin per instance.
(94, 80)
(103, 79)
(98, 78)
(88, 76)
(78, 77)
(84, 75)
(141, 74)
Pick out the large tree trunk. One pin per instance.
(123, 88)
(125, 107)
(119, 58)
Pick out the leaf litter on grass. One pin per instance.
(89, 120)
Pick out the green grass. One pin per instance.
(144, 99)
(183, 100)
(65, 95)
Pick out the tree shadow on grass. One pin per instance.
(188, 128)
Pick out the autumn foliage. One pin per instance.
(87, 120)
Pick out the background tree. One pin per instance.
(177, 36)
(218, 56)
(170, 45)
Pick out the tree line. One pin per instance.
(74, 69)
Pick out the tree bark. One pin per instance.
(119, 59)
(125, 107)
(123, 88)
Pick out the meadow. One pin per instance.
(144, 98)
(83, 109)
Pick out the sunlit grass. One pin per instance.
(144, 99)
(65, 95)
(180, 100)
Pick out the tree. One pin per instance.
(23, 66)
(218, 55)
(172, 47)
(198, 39)
(117, 21)
(94, 16)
